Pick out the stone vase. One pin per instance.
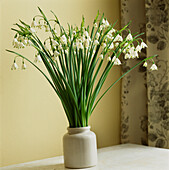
(80, 148)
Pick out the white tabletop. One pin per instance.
(119, 157)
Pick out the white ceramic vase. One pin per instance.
(80, 148)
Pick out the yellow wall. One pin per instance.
(33, 121)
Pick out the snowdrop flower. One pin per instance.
(60, 47)
(25, 42)
(112, 31)
(101, 27)
(129, 37)
(116, 44)
(63, 39)
(86, 34)
(16, 43)
(127, 56)
(55, 43)
(103, 45)
(118, 38)
(101, 56)
(145, 64)
(103, 21)
(138, 48)
(15, 40)
(117, 62)
(153, 67)
(21, 45)
(38, 59)
(66, 51)
(108, 58)
(32, 30)
(111, 46)
(97, 35)
(24, 66)
(134, 54)
(143, 45)
(14, 66)
(29, 42)
(79, 45)
(106, 23)
(95, 25)
(34, 24)
(96, 42)
(86, 43)
(56, 53)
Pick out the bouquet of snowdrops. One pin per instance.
(74, 59)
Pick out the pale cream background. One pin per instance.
(32, 119)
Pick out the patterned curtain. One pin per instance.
(145, 94)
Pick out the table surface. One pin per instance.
(119, 157)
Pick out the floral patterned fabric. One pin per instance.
(145, 94)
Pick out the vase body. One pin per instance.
(80, 148)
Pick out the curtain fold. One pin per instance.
(145, 94)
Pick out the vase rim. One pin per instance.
(86, 127)
(78, 130)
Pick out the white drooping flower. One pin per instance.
(25, 42)
(118, 38)
(34, 24)
(116, 44)
(60, 47)
(14, 66)
(153, 67)
(21, 45)
(109, 37)
(96, 42)
(66, 51)
(32, 30)
(95, 25)
(103, 45)
(86, 34)
(24, 66)
(134, 54)
(38, 59)
(97, 35)
(145, 64)
(127, 56)
(63, 39)
(29, 42)
(79, 45)
(138, 48)
(101, 56)
(116, 61)
(103, 21)
(143, 45)
(86, 43)
(112, 31)
(108, 58)
(111, 46)
(101, 27)
(15, 43)
(129, 37)
(106, 23)
(56, 53)
(55, 43)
